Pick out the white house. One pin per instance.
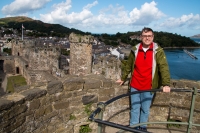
(117, 52)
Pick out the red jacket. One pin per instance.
(142, 73)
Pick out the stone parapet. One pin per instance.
(64, 106)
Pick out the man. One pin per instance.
(149, 69)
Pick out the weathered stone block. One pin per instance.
(92, 84)
(61, 105)
(5, 123)
(45, 100)
(65, 95)
(11, 125)
(78, 93)
(22, 88)
(35, 104)
(104, 98)
(100, 79)
(75, 101)
(16, 98)
(29, 114)
(34, 93)
(48, 109)
(43, 111)
(5, 104)
(89, 99)
(39, 112)
(107, 92)
(14, 112)
(17, 123)
(48, 116)
(73, 84)
(54, 87)
(107, 83)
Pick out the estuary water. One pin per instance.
(182, 66)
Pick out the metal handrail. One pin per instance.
(101, 107)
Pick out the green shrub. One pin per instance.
(85, 129)
(173, 125)
(87, 109)
(72, 117)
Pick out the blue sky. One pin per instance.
(111, 16)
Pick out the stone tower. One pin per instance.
(80, 54)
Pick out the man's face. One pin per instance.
(147, 38)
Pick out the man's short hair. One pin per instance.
(146, 29)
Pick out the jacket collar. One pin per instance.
(156, 47)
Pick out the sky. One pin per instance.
(111, 16)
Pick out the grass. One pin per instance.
(15, 81)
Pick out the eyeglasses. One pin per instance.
(147, 36)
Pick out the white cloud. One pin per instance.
(147, 14)
(184, 21)
(23, 6)
(114, 16)
(87, 7)
(112, 19)
(60, 14)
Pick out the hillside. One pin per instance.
(164, 39)
(14, 19)
(40, 28)
(37, 25)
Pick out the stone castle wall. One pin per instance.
(108, 66)
(37, 57)
(61, 106)
(30, 58)
(35, 62)
(42, 58)
(8, 64)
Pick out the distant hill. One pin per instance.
(37, 25)
(40, 28)
(195, 36)
(15, 19)
(164, 39)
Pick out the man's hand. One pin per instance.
(120, 81)
(166, 89)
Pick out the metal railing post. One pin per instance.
(192, 109)
(100, 116)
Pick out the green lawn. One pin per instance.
(15, 81)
